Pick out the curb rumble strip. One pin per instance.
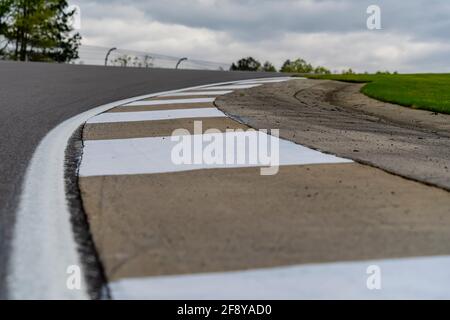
(44, 244)
(412, 278)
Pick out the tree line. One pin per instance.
(37, 30)
(292, 66)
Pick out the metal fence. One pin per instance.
(93, 55)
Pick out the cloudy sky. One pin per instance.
(415, 34)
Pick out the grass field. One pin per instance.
(421, 91)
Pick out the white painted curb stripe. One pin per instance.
(233, 87)
(196, 93)
(43, 243)
(113, 117)
(154, 155)
(169, 101)
(264, 81)
(413, 278)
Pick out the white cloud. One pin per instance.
(336, 44)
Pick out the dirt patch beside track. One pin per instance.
(334, 117)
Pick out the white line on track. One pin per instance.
(264, 81)
(153, 155)
(112, 117)
(232, 87)
(410, 278)
(169, 101)
(197, 93)
(43, 244)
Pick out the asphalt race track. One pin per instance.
(36, 97)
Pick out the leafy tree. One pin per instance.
(321, 70)
(268, 67)
(286, 66)
(349, 71)
(38, 30)
(297, 66)
(246, 64)
(4, 17)
(383, 72)
(137, 62)
(148, 61)
(123, 60)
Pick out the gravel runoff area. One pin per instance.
(334, 117)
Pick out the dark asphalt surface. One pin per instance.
(36, 97)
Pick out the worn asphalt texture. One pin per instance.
(36, 97)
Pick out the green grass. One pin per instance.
(422, 91)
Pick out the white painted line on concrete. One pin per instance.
(154, 155)
(413, 278)
(169, 101)
(196, 93)
(232, 87)
(43, 242)
(264, 81)
(113, 117)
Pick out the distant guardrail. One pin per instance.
(95, 55)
